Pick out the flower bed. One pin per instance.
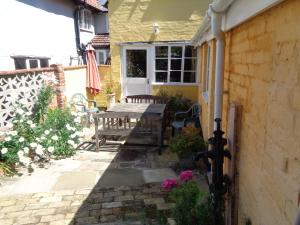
(40, 134)
(192, 205)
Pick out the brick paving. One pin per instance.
(122, 205)
(71, 192)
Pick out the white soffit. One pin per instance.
(242, 10)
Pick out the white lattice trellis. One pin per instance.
(16, 89)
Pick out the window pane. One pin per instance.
(101, 57)
(189, 77)
(190, 51)
(33, 63)
(176, 64)
(175, 76)
(136, 63)
(161, 64)
(161, 77)
(161, 52)
(190, 64)
(44, 63)
(176, 52)
(20, 63)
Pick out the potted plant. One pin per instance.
(110, 96)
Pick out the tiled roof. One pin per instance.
(101, 40)
(92, 3)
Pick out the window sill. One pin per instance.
(175, 84)
(86, 30)
(205, 95)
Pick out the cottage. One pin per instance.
(46, 32)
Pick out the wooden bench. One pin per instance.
(126, 124)
(146, 99)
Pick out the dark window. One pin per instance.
(33, 63)
(175, 76)
(20, 63)
(161, 77)
(136, 63)
(44, 63)
(161, 52)
(176, 52)
(189, 77)
(161, 64)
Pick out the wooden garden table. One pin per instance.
(155, 111)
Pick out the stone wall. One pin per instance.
(262, 72)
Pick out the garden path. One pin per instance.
(89, 188)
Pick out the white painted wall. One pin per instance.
(242, 10)
(39, 28)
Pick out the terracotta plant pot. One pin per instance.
(111, 100)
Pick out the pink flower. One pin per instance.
(186, 175)
(168, 184)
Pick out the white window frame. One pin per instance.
(28, 58)
(205, 93)
(104, 55)
(181, 83)
(83, 20)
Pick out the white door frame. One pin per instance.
(149, 49)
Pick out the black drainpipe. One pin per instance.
(80, 49)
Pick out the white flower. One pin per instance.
(73, 135)
(39, 151)
(69, 128)
(20, 154)
(20, 111)
(32, 125)
(7, 139)
(43, 138)
(21, 120)
(74, 113)
(29, 122)
(71, 142)
(4, 150)
(81, 140)
(21, 139)
(79, 133)
(77, 120)
(38, 139)
(26, 150)
(24, 160)
(33, 145)
(28, 113)
(50, 149)
(14, 133)
(47, 132)
(54, 138)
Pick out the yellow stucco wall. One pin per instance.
(207, 104)
(106, 80)
(132, 21)
(190, 92)
(262, 73)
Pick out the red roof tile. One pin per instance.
(101, 40)
(92, 3)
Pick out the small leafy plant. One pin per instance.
(188, 142)
(192, 205)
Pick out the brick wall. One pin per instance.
(262, 72)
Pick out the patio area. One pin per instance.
(118, 185)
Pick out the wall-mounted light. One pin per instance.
(155, 28)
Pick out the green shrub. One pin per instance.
(52, 133)
(193, 207)
(188, 142)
